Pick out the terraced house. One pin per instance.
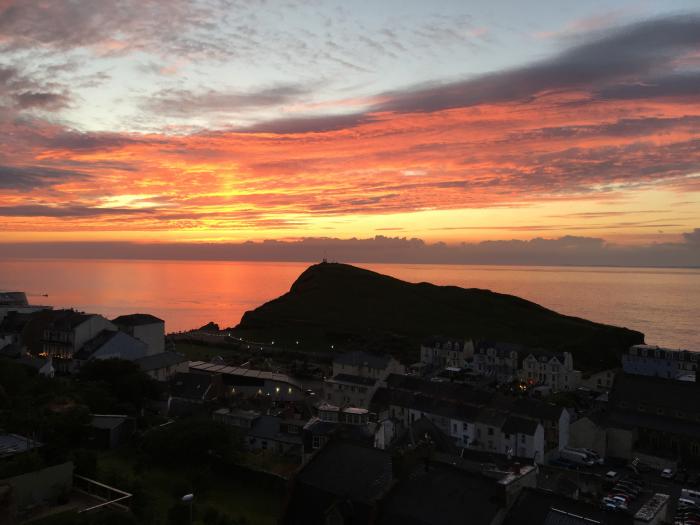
(552, 369)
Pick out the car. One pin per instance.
(614, 503)
(621, 503)
(667, 473)
(626, 498)
(628, 490)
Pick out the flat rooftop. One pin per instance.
(11, 444)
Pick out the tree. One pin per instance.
(193, 441)
(122, 383)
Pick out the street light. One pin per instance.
(189, 498)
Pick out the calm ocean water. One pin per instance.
(662, 303)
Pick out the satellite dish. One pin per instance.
(187, 498)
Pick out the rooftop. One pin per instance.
(354, 471)
(190, 386)
(440, 494)
(357, 380)
(160, 360)
(360, 358)
(234, 371)
(136, 319)
(113, 341)
(107, 421)
(631, 391)
(269, 427)
(13, 299)
(11, 444)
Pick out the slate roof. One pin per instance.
(629, 391)
(160, 360)
(268, 427)
(439, 494)
(358, 380)
(113, 342)
(422, 428)
(360, 358)
(232, 374)
(529, 407)
(67, 319)
(520, 425)
(452, 391)
(107, 421)
(190, 386)
(11, 444)
(357, 472)
(136, 319)
(13, 299)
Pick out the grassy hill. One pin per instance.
(345, 306)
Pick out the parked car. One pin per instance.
(629, 490)
(667, 473)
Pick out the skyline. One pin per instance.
(224, 122)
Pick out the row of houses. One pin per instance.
(503, 362)
(476, 419)
(644, 417)
(656, 361)
(63, 340)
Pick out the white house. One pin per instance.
(553, 369)
(497, 360)
(356, 377)
(441, 352)
(67, 331)
(145, 327)
(648, 360)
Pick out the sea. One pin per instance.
(662, 303)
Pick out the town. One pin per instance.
(116, 421)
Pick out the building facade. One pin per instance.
(648, 360)
(356, 377)
(497, 360)
(146, 328)
(66, 332)
(552, 369)
(441, 352)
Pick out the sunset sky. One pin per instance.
(224, 121)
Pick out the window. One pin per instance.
(316, 442)
(490, 431)
(522, 438)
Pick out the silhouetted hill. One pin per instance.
(342, 305)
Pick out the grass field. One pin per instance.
(202, 352)
(234, 494)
